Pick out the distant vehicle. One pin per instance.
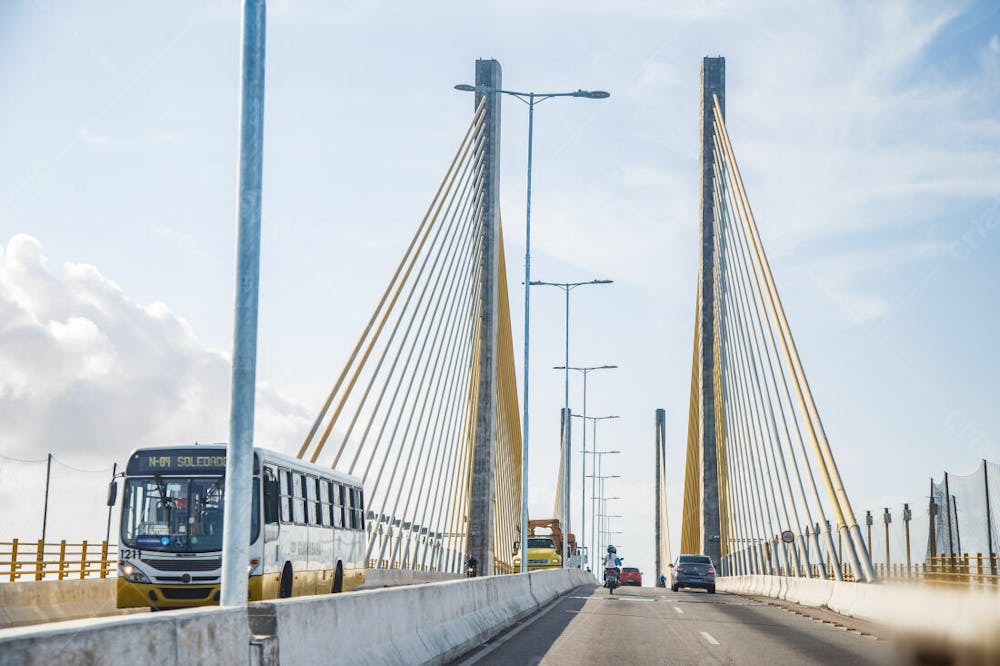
(545, 550)
(307, 528)
(693, 571)
(631, 576)
(542, 554)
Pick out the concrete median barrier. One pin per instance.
(377, 578)
(34, 602)
(414, 624)
(204, 635)
(408, 625)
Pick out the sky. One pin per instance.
(868, 134)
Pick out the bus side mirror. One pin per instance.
(112, 492)
(271, 497)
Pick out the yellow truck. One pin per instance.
(545, 550)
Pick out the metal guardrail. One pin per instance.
(965, 570)
(59, 560)
(968, 570)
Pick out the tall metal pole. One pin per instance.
(989, 520)
(593, 489)
(567, 438)
(239, 458)
(45, 508)
(886, 518)
(947, 509)
(527, 338)
(583, 461)
(907, 516)
(932, 513)
(566, 288)
(107, 532)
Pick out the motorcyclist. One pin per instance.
(611, 562)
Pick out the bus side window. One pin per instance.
(298, 501)
(324, 502)
(355, 512)
(338, 504)
(286, 495)
(361, 508)
(272, 495)
(312, 518)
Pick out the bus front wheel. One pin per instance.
(285, 587)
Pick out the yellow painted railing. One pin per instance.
(970, 570)
(37, 560)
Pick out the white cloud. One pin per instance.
(88, 374)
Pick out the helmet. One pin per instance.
(611, 549)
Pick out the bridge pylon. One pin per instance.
(660, 510)
(482, 505)
(751, 495)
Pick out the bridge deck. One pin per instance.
(656, 626)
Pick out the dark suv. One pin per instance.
(692, 571)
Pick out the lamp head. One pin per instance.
(465, 87)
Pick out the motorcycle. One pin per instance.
(611, 580)
(472, 570)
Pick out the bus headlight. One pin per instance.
(252, 567)
(131, 573)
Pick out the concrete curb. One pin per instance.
(962, 625)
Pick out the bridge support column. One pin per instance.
(713, 82)
(662, 536)
(482, 504)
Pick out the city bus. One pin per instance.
(307, 528)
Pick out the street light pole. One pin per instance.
(529, 98)
(598, 524)
(599, 455)
(567, 457)
(583, 464)
(593, 488)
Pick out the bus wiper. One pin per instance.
(162, 488)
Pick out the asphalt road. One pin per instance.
(657, 626)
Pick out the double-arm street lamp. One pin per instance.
(603, 500)
(599, 457)
(531, 99)
(567, 458)
(583, 472)
(583, 459)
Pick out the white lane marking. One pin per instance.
(678, 609)
(613, 598)
(708, 637)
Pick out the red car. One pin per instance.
(631, 576)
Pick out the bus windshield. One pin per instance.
(177, 514)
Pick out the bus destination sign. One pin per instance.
(179, 461)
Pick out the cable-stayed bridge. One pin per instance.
(425, 415)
